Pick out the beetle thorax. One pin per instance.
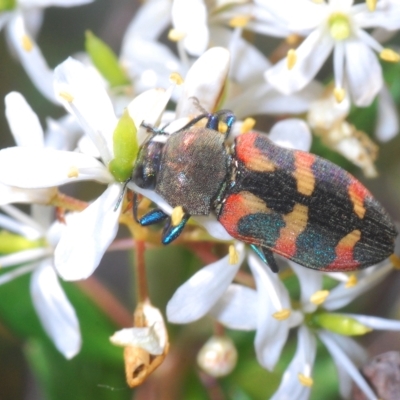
(193, 167)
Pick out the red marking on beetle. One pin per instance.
(250, 155)
(295, 223)
(345, 253)
(238, 206)
(358, 193)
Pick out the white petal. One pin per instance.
(311, 54)
(88, 236)
(138, 337)
(151, 19)
(302, 362)
(213, 227)
(55, 311)
(343, 362)
(291, 133)
(341, 295)
(205, 81)
(153, 196)
(237, 308)
(28, 167)
(387, 122)
(89, 103)
(32, 59)
(262, 98)
(15, 273)
(376, 322)
(149, 64)
(190, 18)
(363, 71)
(24, 219)
(64, 133)
(21, 257)
(23, 121)
(241, 72)
(10, 194)
(356, 353)
(11, 225)
(310, 282)
(148, 107)
(271, 333)
(196, 296)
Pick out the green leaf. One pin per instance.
(105, 60)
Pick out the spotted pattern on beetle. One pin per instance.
(290, 202)
(318, 214)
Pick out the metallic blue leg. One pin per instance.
(266, 256)
(153, 217)
(171, 232)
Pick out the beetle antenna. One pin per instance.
(196, 103)
(121, 196)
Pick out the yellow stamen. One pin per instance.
(248, 125)
(66, 96)
(175, 36)
(318, 1)
(395, 260)
(176, 78)
(222, 127)
(177, 215)
(282, 315)
(371, 4)
(239, 21)
(305, 380)
(389, 55)
(73, 172)
(291, 58)
(319, 297)
(339, 26)
(292, 39)
(27, 43)
(352, 281)
(233, 255)
(339, 94)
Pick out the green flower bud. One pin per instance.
(11, 243)
(338, 323)
(7, 5)
(126, 148)
(105, 60)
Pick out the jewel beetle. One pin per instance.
(277, 200)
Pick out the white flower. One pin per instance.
(88, 236)
(50, 302)
(337, 26)
(28, 132)
(346, 353)
(22, 22)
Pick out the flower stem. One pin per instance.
(140, 272)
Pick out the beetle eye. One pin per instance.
(145, 172)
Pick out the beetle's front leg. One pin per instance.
(175, 225)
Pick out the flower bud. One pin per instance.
(341, 324)
(218, 356)
(126, 148)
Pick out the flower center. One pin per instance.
(7, 5)
(339, 26)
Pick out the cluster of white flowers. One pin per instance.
(219, 68)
